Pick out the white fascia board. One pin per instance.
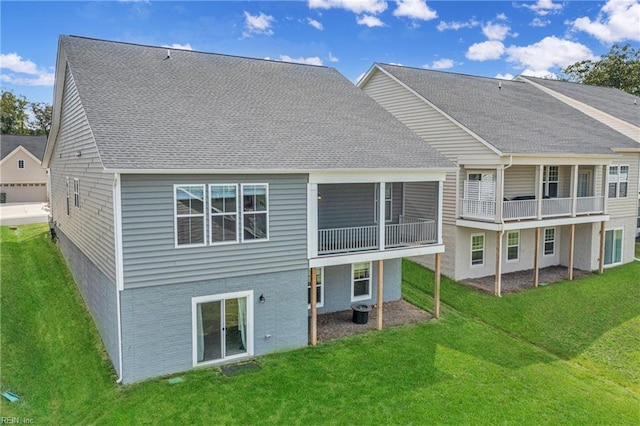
(58, 87)
(373, 176)
(563, 159)
(365, 78)
(17, 150)
(444, 114)
(346, 259)
(323, 176)
(530, 224)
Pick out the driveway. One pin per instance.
(23, 213)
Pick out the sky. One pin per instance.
(499, 39)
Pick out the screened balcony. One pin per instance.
(348, 217)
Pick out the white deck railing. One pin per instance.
(344, 240)
(411, 231)
(478, 209)
(528, 209)
(590, 205)
(556, 207)
(519, 209)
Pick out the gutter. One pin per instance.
(502, 226)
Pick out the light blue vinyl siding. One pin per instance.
(90, 227)
(157, 328)
(149, 252)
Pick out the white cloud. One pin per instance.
(179, 46)
(492, 49)
(506, 76)
(455, 25)
(312, 60)
(538, 22)
(618, 20)
(355, 6)
(15, 63)
(257, 24)
(441, 64)
(544, 7)
(315, 24)
(501, 17)
(495, 31)
(332, 58)
(540, 74)
(370, 21)
(550, 52)
(414, 9)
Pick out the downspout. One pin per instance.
(118, 252)
(502, 223)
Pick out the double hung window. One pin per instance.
(223, 202)
(189, 202)
(513, 245)
(255, 212)
(550, 181)
(360, 281)
(549, 241)
(618, 181)
(477, 250)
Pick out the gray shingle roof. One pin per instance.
(34, 144)
(608, 99)
(208, 111)
(516, 118)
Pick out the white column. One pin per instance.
(440, 194)
(539, 190)
(381, 216)
(312, 220)
(605, 188)
(574, 189)
(499, 192)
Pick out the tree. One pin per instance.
(13, 114)
(41, 123)
(21, 117)
(620, 68)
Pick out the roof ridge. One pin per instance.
(192, 51)
(449, 72)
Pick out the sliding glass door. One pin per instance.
(222, 327)
(613, 246)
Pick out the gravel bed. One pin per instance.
(521, 280)
(339, 324)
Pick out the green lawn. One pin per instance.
(487, 361)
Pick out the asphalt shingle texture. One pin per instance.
(207, 111)
(513, 116)
(608, 99)
(34, 144)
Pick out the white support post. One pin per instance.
(539, 190)
(312, 220)
(440, 195)
(605, 188)
(499, 192)
(381, 216)
(458, 189)
(574, 189)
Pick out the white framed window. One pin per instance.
(477, 249)
(68, 196)
(319, 288)
(613, 243)
(255, 212)
(360, 281)
(222, 327)
(549, 248)
(223, 205)
(189, 215)
(21, 164)
(513, 246)
(76, 193)
(550, 181)
(618, 181)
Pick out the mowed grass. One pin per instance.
(466, 368)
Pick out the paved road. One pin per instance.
(21, 214)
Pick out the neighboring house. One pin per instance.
(539, 183)
(606, 104)
(22, 178)
(196, 197)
